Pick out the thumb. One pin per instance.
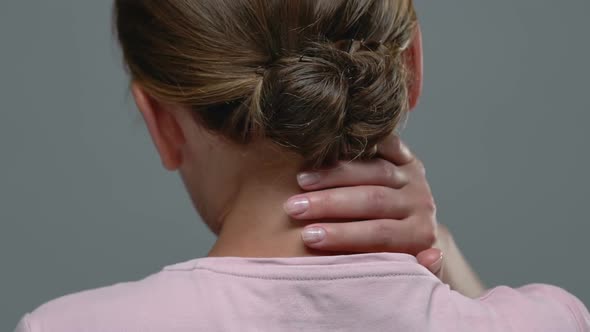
(432, 259)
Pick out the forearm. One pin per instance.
(456, 271)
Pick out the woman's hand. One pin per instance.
(386, 201)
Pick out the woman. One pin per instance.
(238, 96)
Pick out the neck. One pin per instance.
(255, 224)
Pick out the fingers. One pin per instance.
(361, 202)
(316, 236)
(374, 172)
(395, 151)
(432, 259)
(384, 235)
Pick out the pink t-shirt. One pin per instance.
(369, 292)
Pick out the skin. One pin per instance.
(240, 191)
(390, 194)
(337, 188)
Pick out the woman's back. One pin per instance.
(239, 96)
(369, 292)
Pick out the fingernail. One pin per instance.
(308, 179)
(436, 266)
(296, 205)
(313, 235)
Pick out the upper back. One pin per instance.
(373, 292)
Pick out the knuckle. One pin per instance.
(382, 235)
(405, 149)
(427, 235)
(387, 170)
(326, 198)
(321, 202)
(428, 204)
(420, 166)
(377, 197)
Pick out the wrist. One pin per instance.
(444, 238)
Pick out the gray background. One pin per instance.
(502, 128)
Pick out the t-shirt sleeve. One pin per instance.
(538, 307)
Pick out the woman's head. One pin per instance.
(316, 80)
(327, 79)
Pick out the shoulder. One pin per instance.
(129, 306)
(538, 307)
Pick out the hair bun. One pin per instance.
(335, 100)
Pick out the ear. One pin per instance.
(416, 63)
(163, 127)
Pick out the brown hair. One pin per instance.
(323, 78)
